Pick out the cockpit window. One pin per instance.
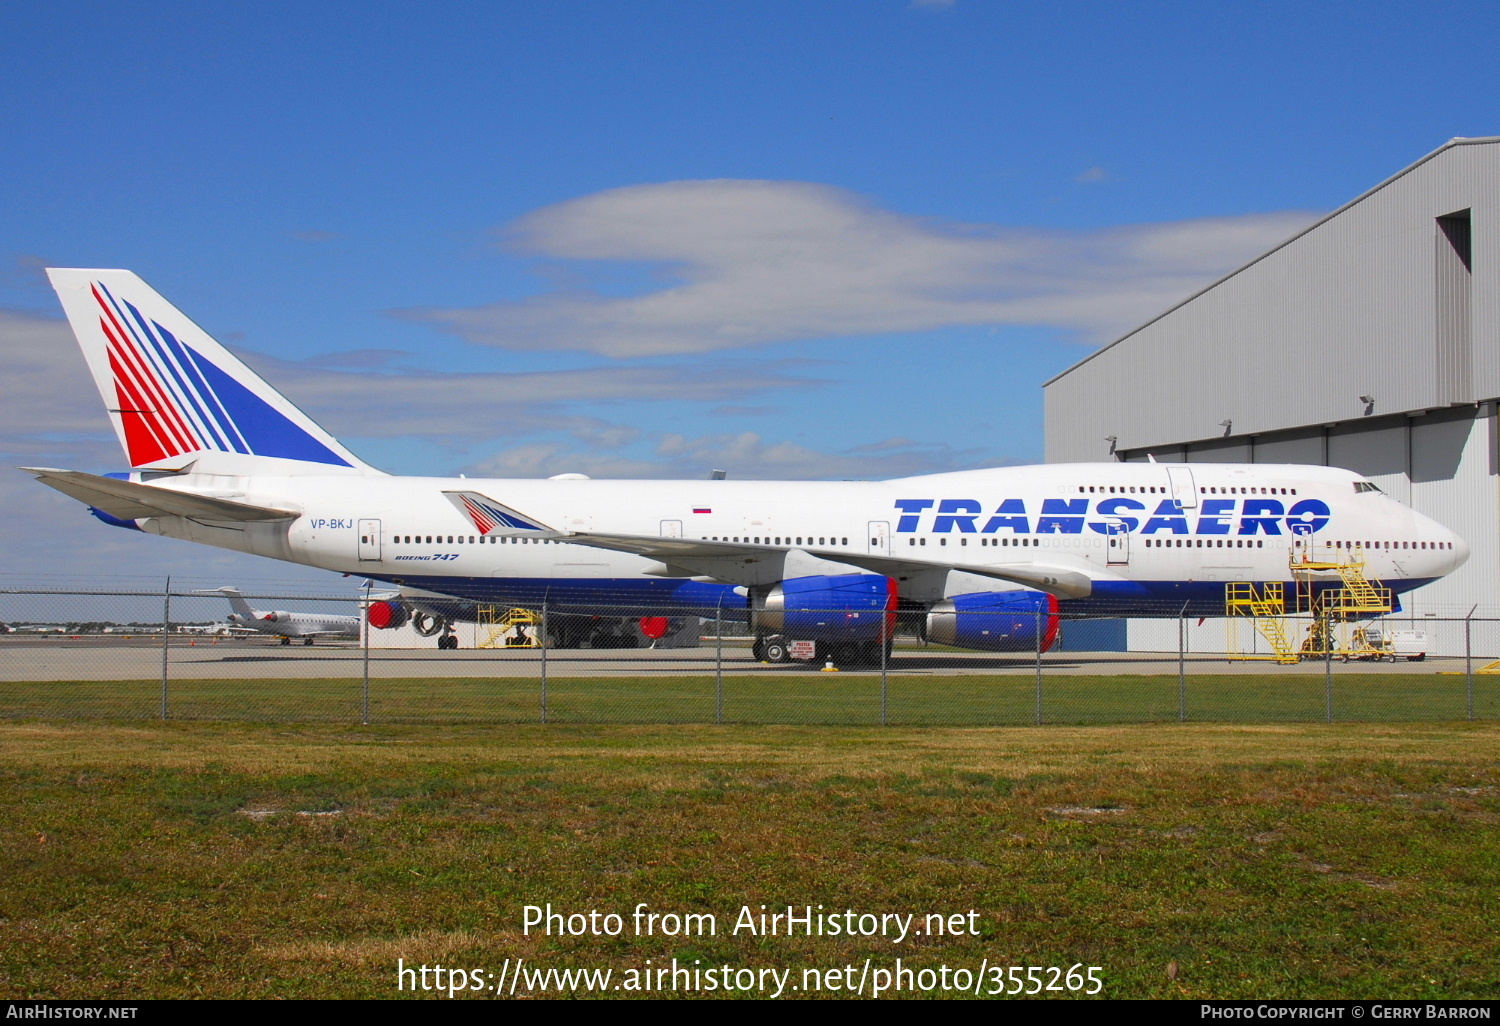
(1365, 486)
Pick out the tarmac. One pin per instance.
(95, 658)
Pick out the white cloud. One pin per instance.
(746, 455)
(51, 414)
(759, 262)
(489, 405)
(46, 392)
(1093, 174)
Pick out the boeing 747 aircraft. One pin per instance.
(989, 557)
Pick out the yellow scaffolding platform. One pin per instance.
(513, 628)
(1327, 612)
(1266, 608)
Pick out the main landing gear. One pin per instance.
(774, 648)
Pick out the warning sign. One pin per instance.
(802, 649)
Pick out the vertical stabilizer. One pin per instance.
(237, 602)
(176, 396)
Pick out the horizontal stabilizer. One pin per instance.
(130, 501)
(699, 556)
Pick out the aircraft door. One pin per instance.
(1183, 488)
(671, 528)
(1119, 545)
(880, 538)
(369, 540)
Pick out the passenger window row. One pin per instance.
(1205, 543)
(1203, 490)
(1211, 490)
(783, 540)
(1340, 544)
(494, 539)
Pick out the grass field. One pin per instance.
(807, 698)
(226, 859)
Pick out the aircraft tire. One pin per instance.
(776, 651)
(285, 640)
(307, 641)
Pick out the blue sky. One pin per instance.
(650, 239)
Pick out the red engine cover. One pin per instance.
(382, 615)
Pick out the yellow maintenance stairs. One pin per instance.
(1268, 609)
(512, 628)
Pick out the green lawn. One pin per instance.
(804, 698)
(220, 859)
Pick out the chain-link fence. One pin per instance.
(293, 654)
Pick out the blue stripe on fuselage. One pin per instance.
(665, 596)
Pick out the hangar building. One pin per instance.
(1370, 341)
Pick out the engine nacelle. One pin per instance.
(995, 621)
(847, 607)
(428, 625)
(386, 615)
(129, 525)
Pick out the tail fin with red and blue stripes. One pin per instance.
(177, 398)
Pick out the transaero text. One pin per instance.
(1119, 516)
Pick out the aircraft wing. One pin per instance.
(692, 554)
(127, 500)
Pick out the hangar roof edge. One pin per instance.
(1450, 144)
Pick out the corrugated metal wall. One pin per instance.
(1372, 303)
(1348, 309)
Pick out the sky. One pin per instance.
(789, 240)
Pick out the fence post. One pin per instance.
(1182, 672)
(887, 637)
(541, 639)
(1469, 665)
(166, 635)
(1182, 664)
(364, 630)
(1039, 666)
(719, 661)
(1328, 667)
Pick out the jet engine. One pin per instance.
(387, 614)
(854, 613)
(428, 625)
(995, 621)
